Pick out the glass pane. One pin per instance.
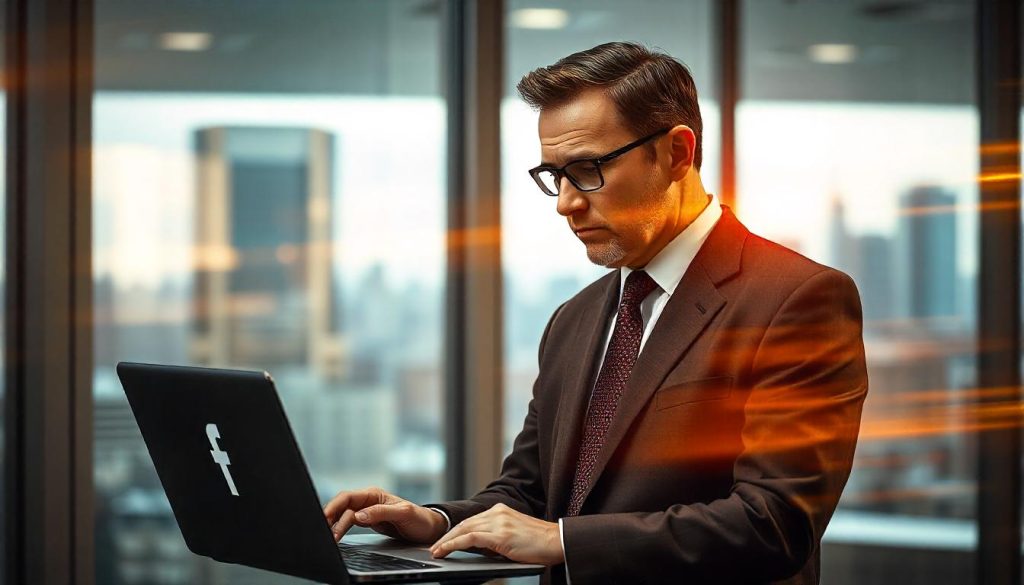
(544, 263)
(269, 193)
(857, 146)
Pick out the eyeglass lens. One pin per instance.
(584, 175)
(548, 181)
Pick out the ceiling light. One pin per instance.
(832, 53)
(186, 41)
(539, 18)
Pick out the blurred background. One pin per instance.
(271, 189)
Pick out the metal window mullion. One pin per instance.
(81, 287)
(473, 365)
(48, 504)
(999, 282)
(727, 17)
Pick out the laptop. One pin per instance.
(241, 493)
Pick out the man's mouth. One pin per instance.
(585, 231)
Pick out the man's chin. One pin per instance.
(606, 255)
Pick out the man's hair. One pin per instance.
(651, 90)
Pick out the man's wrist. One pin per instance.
(441, 524)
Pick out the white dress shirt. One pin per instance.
(667, 269)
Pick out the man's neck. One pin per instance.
(695, 199)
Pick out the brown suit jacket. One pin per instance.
(733, 439)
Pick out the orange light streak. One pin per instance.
(474, 237)
(998, 177)
(1000, 148)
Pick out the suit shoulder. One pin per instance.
(761, 255)
(767, 262)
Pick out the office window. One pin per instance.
(269, 194)
(544, 263)
(857, 140)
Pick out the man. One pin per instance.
(696, 411)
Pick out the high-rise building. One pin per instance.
(263, 285)
(874, 276)
(868, 260)
(927, 261)
(841, 254)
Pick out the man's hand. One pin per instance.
(507, 532)
(385, 513)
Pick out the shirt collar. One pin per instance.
(671, 263)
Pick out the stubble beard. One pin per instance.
(606, 254)
(613, 253)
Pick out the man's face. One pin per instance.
(623, 222)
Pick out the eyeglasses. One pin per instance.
(585, 173)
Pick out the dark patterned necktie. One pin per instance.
(618, 363)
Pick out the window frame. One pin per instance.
(48, 305)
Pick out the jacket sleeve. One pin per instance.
(802, 416)
(519, 485)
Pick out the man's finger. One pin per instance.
(356, 500)
(385, 513)
(343, 524)
(338, 504)
(471, 524)
(485, 540)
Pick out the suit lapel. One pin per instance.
(578, 380)
(691, 308)
(681, 322)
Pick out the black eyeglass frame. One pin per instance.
(560, 172)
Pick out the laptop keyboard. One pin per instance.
(363, 560)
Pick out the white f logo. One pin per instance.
(220, 457)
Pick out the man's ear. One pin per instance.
(682, 147)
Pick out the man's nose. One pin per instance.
(570, 199)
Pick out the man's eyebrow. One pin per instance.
(581, 155)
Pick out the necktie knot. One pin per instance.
(639, 284)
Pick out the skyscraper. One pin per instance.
(868, 260)
(263, 288)
(928, 253)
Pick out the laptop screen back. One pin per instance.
(232, 471)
